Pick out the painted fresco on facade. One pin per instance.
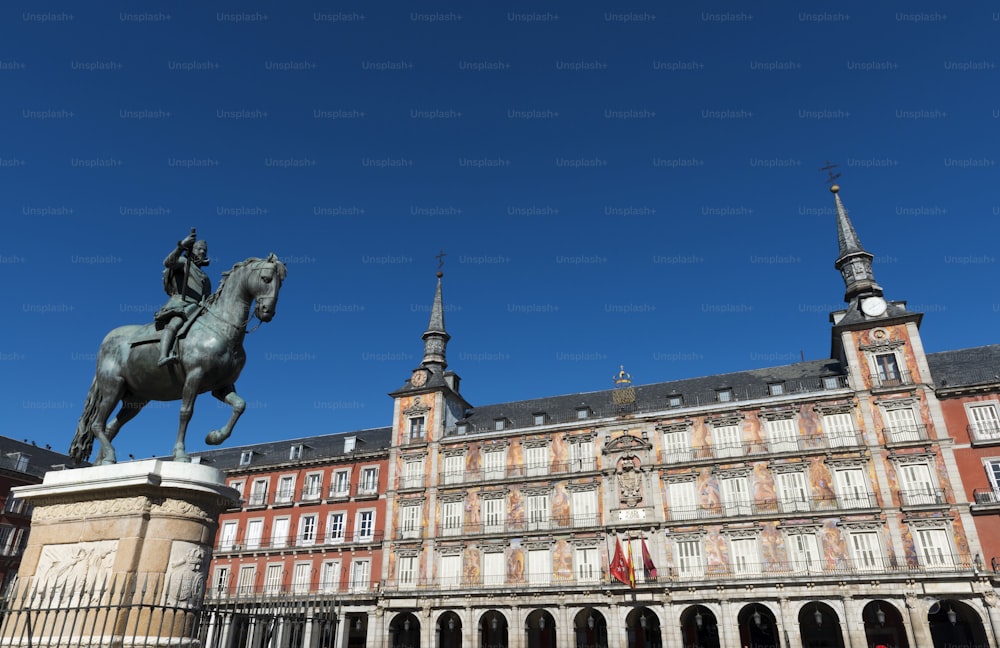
(515, 508)
(422, 573)
(762, 486)
(515, 562)
(515, 460)
(701, 439)
(942, 475)
(809, 427)
(961, 541)
(890, 477)
(752, 429)
(560, 454)
(392, 562)
(835, 553)
(472, 510)
(909, 546)
(472, 459)
(708, 490)
(772, 547)
(560, 504)
(667, 556)
(470, 566)
(820, 480)
(716, 552)
(562, 561)
(872, 480)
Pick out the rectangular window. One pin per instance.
(350, 443)
(369, 481)
(451, 518)
(408, 571)
(539, 566)
(410, 522)
(984, 422)
(677, 446)
(417, 427)
(495, 464)
(227, 539)
(744, 557)
(728, 441)
(255, 531)
(245, 583)
(454, 469)
(336, 524)
(220, 585)
(329, 576)
(307, 530)
(724, 395)
(735, 496)
(539, 419)
(585, 508)
(365, 529)
(587, 565)
(888, 370)
(865, 550)
(341, 486)
(493, 568)
(279, 532)
(451, 570)
(902, 425)
(536, 461)
(361, 575)
(413, 473)
(839, 430)
(313, 487)
(782, 435)
(852, 488)
(674, 401)
(272, 579)
(683, 502)
(993, 473)
(776, 389)
(803, 553)
(286, 490)
(538, 512)
(793, 492)
(499, 424)
(295, 452)
(831, 382)
(581, 456)
(494, 510)
(258, 493)
(689, 562)
(246, 457)
(237, 486)
(917, 485)
(935, 548)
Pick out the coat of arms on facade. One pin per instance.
(629, 482)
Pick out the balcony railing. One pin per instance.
(772, 507)
(19, 507)
(316, 587)
(741, 449)
(986, 496)
(509, 526)
(362, 536)
(892, 379)
(905, 433)
(984, 431)
(922, 497)
(777, 571)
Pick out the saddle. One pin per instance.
(154, 335)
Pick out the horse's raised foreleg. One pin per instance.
(228, 395)
(188, 396)
(130, 407)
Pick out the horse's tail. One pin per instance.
(83, 442)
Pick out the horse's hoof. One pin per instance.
(214, 438)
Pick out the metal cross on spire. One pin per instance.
(440, 257)
(831, 176)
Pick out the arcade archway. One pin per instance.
(699, 627)
(884, 625)
(643, 628)
(819, 626)
(955, 625)
(758, 628)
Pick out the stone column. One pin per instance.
(991, 601)
(121, 552)
(789, 624)
(918, 621)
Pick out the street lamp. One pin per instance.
(756, 616)
(451, 623)
(590, 622)
(541, 623)
(406, 625)
(642, 621)
(494, 623)
(698, 619)
(879, 615)
(818, 616)
(952, 615)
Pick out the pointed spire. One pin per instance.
(436, 337)
(853, 261)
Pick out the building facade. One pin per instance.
(837, 503)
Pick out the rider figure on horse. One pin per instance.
(187, 286)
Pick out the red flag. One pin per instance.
(618, 569)
(647, 562)
(631, 566)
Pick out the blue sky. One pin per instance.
(612, 183)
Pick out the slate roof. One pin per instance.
(275, 453)
(965, 367)
(40, 460)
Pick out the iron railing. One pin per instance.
(922, 497)
(986, 496)
(984, 431)
(772, 507)
(905, 433)
(319, 539)
(891, 379)
(797, 444)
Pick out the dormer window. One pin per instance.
(724, 395)
(776, 389)
(830, 382)
(462, 428)
(583, 412)
(540, 418)
(295, 452)
(350, 443)
(674, 401)
(500, 424)
(246, 457)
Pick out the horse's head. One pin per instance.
(264, 285)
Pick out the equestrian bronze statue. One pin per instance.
(204, 354)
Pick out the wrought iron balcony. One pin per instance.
(905, 433)
(773, 507)
(506, 526)
(984, 431)
(922, 497)
(319, 539)
(986, 496)
(891, 379)
(797, 444)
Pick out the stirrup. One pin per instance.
(170, 359)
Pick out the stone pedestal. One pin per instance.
(117, 555)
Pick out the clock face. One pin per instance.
(873, 306)
(419, 378)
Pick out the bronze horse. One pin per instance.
(211, 359)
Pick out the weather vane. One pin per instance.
(440, 257)
(831, 176)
